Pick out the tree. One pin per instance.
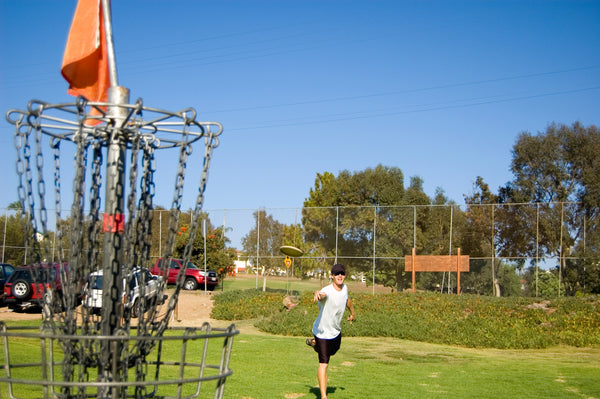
(344, 214)
(15, 206)
(14, 240)
(545, 284)
(333, 230)
(267, 236)
(218, 257)
(560, 166)
(478, 240)
(292, 235)
(441, 235)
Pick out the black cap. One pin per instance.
(338, 267)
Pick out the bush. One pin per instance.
(465, 320)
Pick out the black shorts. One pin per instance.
(327, 347)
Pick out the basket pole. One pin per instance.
(110, 48)
(114, 231)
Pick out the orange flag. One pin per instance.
(85, 62)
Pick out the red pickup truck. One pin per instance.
(194, 276)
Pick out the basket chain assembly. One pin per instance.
(117, 348)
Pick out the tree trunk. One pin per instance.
(497, 288)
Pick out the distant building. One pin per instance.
(240, 265)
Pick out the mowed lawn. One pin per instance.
(267, 366)
(250, 281)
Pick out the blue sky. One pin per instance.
(439, 89)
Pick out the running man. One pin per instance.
(333, 300)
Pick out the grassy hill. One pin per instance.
(465, 320)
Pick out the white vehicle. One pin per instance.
(141, 282)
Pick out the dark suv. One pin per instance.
(194, 276)
(5, 272)
(27, 285)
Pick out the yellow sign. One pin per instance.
(288, 262)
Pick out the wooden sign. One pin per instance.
(436, 263)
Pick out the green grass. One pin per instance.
(284, 367)
(267, 366)
(27, 355)
(247, 281)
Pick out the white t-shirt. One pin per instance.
(331, 310)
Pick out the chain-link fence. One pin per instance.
(374, 241)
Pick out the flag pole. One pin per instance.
(110, 48)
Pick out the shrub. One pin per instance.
(465, 320)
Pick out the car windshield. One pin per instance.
(96, 282)
(192, 266)
(6, 271)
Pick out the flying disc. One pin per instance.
(291, 251)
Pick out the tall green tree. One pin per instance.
(218, 256)
(559, 166)
(13, 237)
(443, 227)
(344, 214)
(262, 244)
(478, 240)
(341, 211)
(292, 235)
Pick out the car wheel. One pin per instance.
(190, 284)
(21, 289)
(135, 309)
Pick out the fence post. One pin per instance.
(4, 236)
(458, 271)
(374, 229)
(413, 269)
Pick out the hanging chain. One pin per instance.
(84, 232)
(170, 240)
(28, 206)
(210, 142)
(60, 231)
(130, 252)
(78, 201)
(146, 201)
(94, 225)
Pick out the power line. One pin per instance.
(401, 112)
(408, 91)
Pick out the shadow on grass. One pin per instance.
(330, 390)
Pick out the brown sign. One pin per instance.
(436, 263)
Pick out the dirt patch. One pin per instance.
(193, 310)
(544, 305)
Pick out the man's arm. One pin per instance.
(350, 307)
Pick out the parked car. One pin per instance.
(26, 286)
(194, 276)
(5, 272)
(141, 282)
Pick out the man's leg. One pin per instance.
(322, 377)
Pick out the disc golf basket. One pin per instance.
(119, 352)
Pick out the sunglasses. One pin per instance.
(338, 273)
